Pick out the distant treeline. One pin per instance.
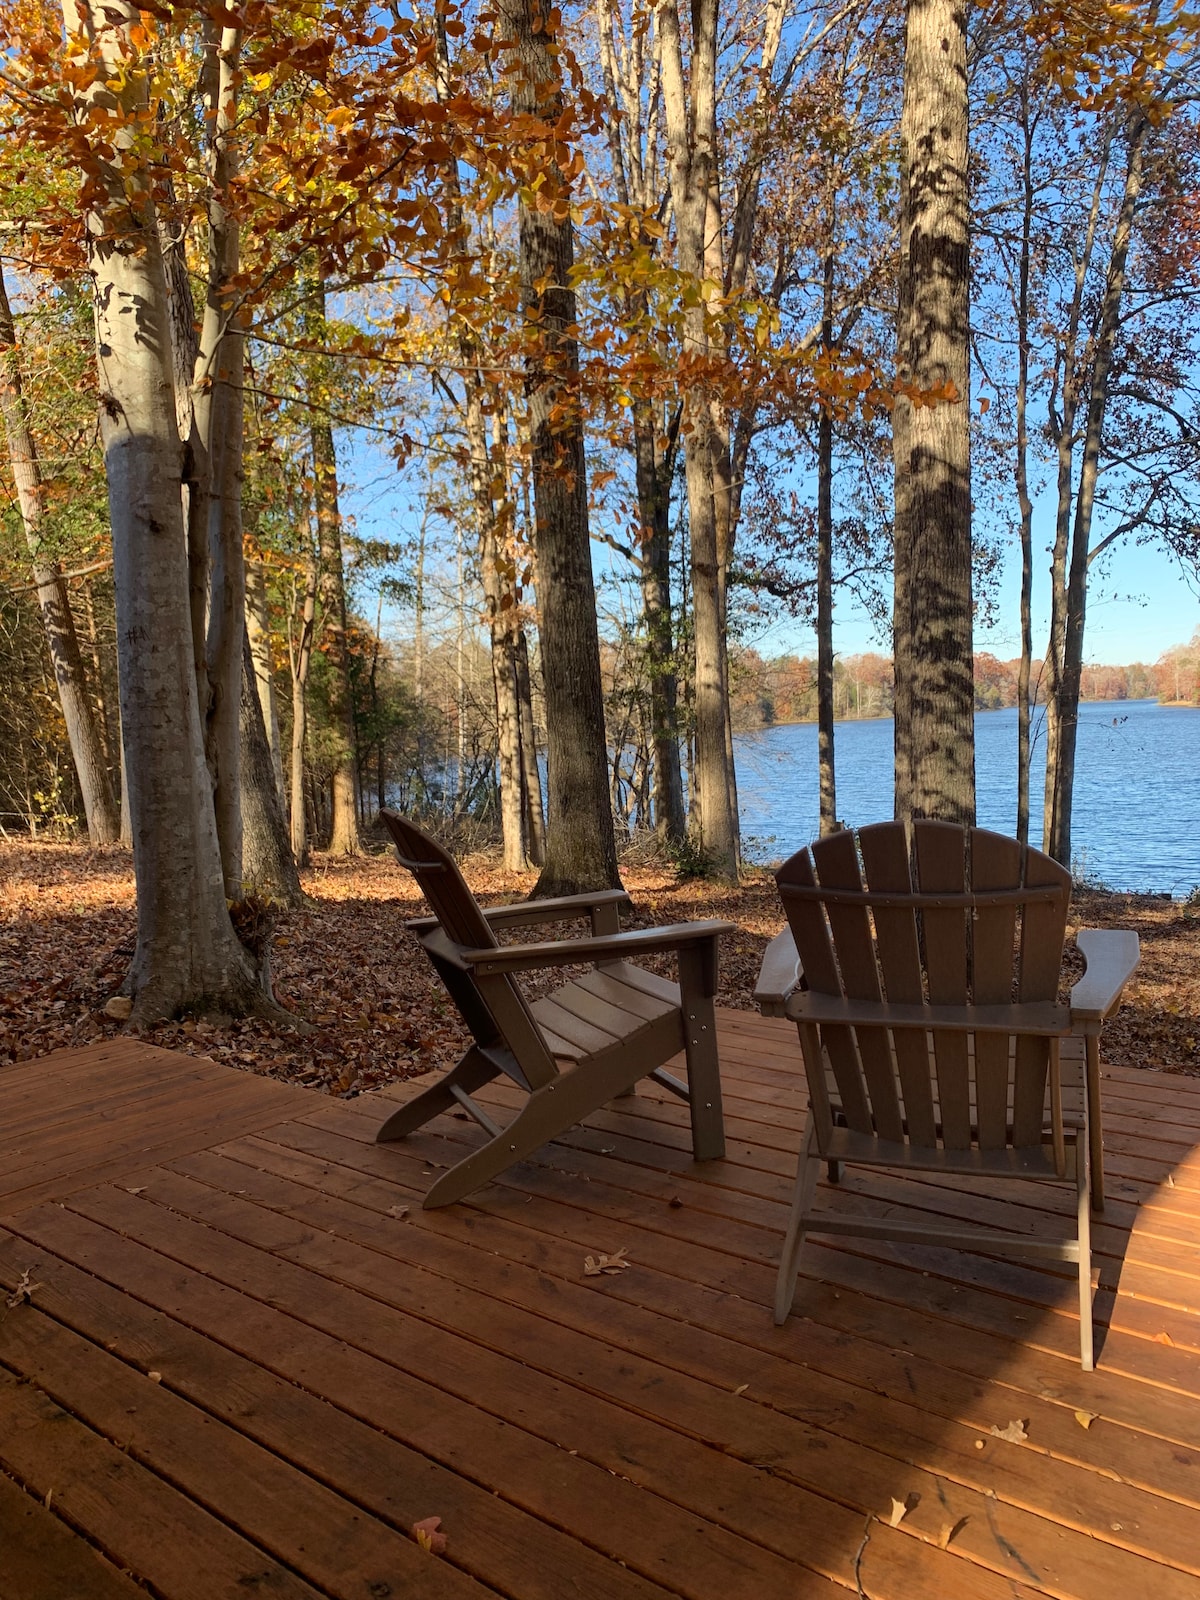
(784, 688)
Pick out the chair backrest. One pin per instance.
(494, 1008)
(967, 918)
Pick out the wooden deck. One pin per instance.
(251, 1363)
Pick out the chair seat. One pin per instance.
(607, 1007)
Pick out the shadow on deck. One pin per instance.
(250, 1363)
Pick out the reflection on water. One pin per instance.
(1136, 822)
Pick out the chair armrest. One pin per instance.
(779, 976)
(1112, 955)
(526, 913)
(577, 952)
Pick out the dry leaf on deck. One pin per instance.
(428, 1535)
(24, 1291)
(155, 1377)
(741, 1388)
(1013, 1431)
(1163, 1338)
(951, 1531)
(901, 1508)
(141, 1189)
(1086, 1418)
(400, 1212)
(594, 1266)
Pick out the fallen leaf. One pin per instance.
(141, 1189)
(1163, 1338)
(675, 1202)
(1170, 1181)
(1086, 1418)
(24, 1291)
(741, 1388)
(1013, 1431)
(951, 1531)
(398, 1211)
(49, 1495)
(897, 1514)
(119, 1007)
(594, 1266)
(155, 1377)
(428, 1535)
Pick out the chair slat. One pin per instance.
(996, 863)
(811, 933)
(836, 861)
(940, 858)
(612, 985)
(1043, 928)
(885, 855)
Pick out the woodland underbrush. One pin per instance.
(345, 964)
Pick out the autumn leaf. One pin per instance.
(1014, 1431)
(429, 1536)
(596, 1266)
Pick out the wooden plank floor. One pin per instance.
(81, 1116)
(253, 1365)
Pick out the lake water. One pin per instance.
(1136, 820)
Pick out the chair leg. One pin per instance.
(802, 1199)
(1083, 1212)
(700, 1048)
(1095, 1121)
(472, 1072)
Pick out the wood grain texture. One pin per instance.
(334, 1364)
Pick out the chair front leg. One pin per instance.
(696, 985)
(802, 1199)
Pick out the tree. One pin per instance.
(83, 731)
(935, 727)
(188, 955)
(580, 845)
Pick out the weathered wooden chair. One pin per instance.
(573, 1051)
(924, 989)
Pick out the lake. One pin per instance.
(1136, 821)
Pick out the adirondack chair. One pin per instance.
(924, 989)
(573, 1051)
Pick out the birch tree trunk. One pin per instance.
(935, 694)
(62, 641)
(188, 956)
(581, 849)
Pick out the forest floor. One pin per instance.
(345, 963)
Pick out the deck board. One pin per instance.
(334, 1364)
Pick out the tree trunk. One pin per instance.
(218, 399)
(1022, 470)
(188, 956)
(581, 849)
(79, 714)
(344, 823)
(535, 824)
(268, 866)
(825, 762)
(258, 630)
(300, 644)
(935, 694)
(691, 132)
(654, 472)
(1062, 428)
(1103, 347)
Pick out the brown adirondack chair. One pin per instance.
(924, 989)
(573, 1051)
